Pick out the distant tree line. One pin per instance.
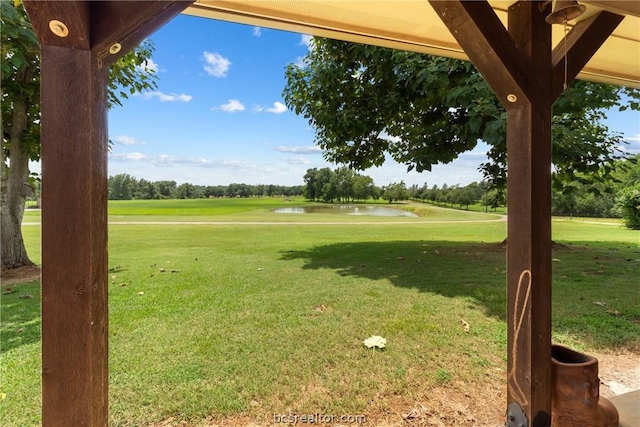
(126, 187)
(342, 185)
(583, 196)
(459, 196)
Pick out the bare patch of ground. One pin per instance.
(619, 372)
(20, 275)
(453, 404)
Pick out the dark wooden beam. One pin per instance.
(489, 46)
(528, 274)
(99, 25)
(529, 226)
(74, 15)
(582, 42)
(74, 238)
(75, 60)
(128, 23)
(517, 62)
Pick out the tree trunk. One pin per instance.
(12, 201)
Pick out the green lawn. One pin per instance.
(259, 319)
(259, 209)
(476, 207)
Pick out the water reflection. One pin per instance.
(346, 210)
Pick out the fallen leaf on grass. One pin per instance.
(321, 307)
(26, 296)
(140, 293)
(613, 312)
(161, 270)
(375, 341)
(465, 325)
(601, 304)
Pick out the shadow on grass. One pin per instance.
(19, 315)
(475, 270)
(583, 274)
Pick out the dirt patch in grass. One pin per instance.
(457, 403)
(619, 372)
(454, 404)
(22, 274)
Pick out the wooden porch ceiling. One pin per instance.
(414, 25)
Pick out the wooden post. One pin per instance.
(74, 238)
(529, 225)
(74, 66)
(517, 65)
(525, 74)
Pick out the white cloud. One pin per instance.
(313, 149)
(306, 40)
(216, 65)
(297, 160)
(149, 65)
(300, 62)
(391, 138)
(632, 148)
(231, 106)
(288, 170)
(127, 140)
(278, 108)
(633, 145)
(163, 97)
(257, 31)
(128, 156)
(166, 160)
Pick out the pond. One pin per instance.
(346, 210)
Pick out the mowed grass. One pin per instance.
(260, 209)
(251, 320)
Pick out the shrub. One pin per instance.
(628, 202)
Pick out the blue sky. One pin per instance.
(218, 115)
